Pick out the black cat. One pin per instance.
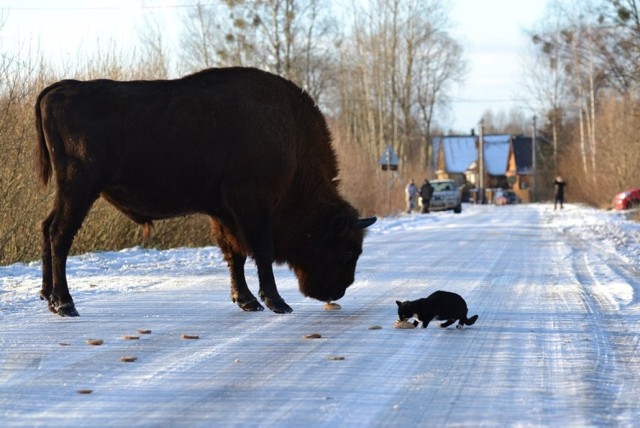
(441, 305)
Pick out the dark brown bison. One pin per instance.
(245, 147)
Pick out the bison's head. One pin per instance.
(326, 261)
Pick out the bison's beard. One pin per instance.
(322, 286)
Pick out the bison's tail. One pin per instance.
(42, 152)
(146, 229)
(471, 321)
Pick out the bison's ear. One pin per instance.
(361, 223)
(340, 225)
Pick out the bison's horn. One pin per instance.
(361, 223)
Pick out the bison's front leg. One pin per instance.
(240, 293)
(262, 245)
(268, 291)
(249, 233)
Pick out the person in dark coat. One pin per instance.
(559, 184)
(426, 191)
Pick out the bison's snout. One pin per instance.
(320, 287)
(337, 295)
(324, 294)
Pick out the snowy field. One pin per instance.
(557, 342)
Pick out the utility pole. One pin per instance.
(389, 162)
(481, 162)
(534, 161)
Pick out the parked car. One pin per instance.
(627, 199)
(505, 197)
(446, 196)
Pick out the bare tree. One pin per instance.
(200, 38)
(545, 79)
(619, 125)
(593, 54)
(619, 46)
(20, 76)
(155, 49)
(442, 67)
(398, 66)
(571, 49)
(292, 38)
(512, 122)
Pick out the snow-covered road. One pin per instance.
(557, 341)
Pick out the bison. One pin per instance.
(247, 148)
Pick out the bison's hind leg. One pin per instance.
(48, 267)
(70, 209)
(47, 279)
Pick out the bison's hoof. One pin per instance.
(251, 306)
(278, 306)
(52, 308)
(67, 310)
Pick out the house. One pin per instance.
(523, 156)
(453, 154)
(456, 157)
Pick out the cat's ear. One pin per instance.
(398, 303)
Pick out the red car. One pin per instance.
(627, 199)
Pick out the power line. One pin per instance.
(488, 100)
(80, 8)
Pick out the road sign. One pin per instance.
(389, 160)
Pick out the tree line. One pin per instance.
(586, 84)
(382, 72)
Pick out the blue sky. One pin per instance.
(491, 32)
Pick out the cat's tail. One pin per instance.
(471, 321)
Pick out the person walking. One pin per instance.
(411, 192)
(426, 191)
(559, 184)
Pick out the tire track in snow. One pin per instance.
(466, 355)
(614, 347)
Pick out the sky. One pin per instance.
(492, 33)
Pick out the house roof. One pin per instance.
(496, 153)
(459, 152)
(522, 153)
